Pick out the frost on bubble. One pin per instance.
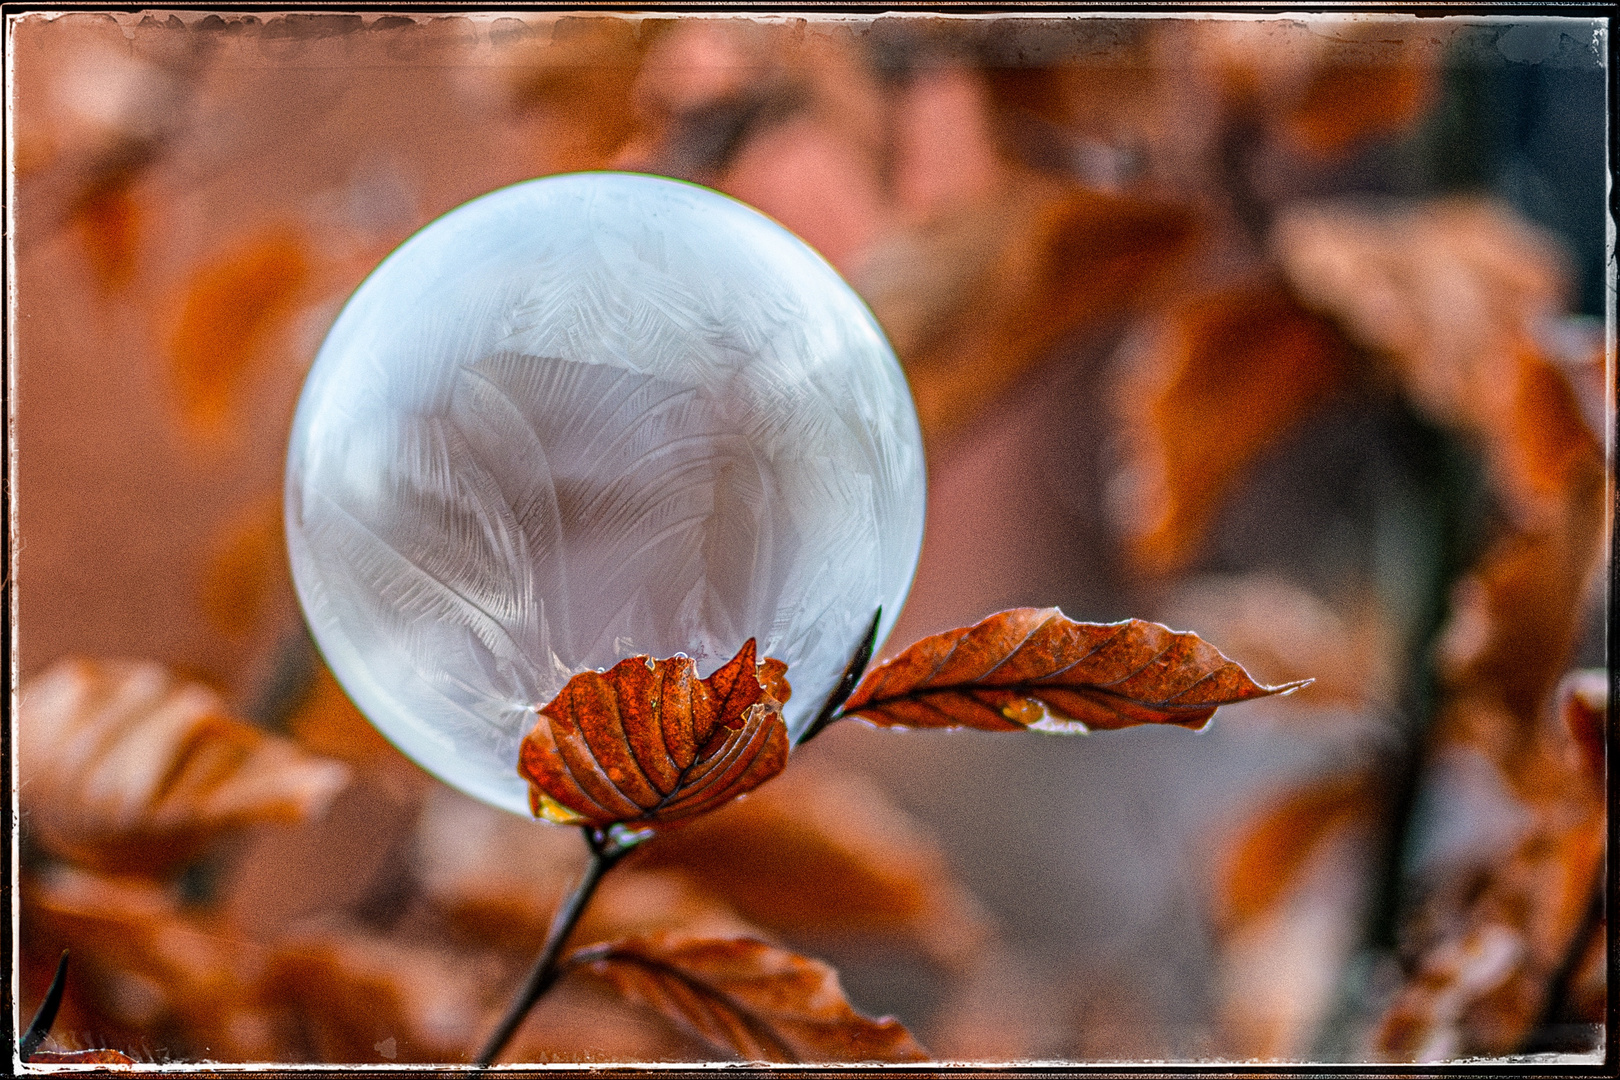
(583, 418)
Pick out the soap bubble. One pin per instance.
(583, 418)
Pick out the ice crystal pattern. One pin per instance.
(583, 418)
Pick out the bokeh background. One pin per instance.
(1287, 331)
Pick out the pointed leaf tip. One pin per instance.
(648, 741)
(1037, 669)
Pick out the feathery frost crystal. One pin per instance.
(587, 417)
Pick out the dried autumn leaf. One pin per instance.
(1035, 668)
(748, 998)
(820, 854)
(127, 767)
(1483, 983)
(1225, 376)
(649, 741)
(496, 881)
(359, 997)
(1274, 848)
(974, 301)
(151, 966)
(231, 308)
(1487, 950)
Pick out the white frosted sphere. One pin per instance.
(587, 417)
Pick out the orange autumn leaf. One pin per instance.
(648, 741)
(1266, 862)
(748, 998)
(976, 301)
(1035, 668)
(199, 979)
(820, 854)
(1350, 99)
(247, 564)
(231, 308)
(107, 218)
(1229, 374)
(131, 768)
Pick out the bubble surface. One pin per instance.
(583, 418)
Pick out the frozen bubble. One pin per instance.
(587, 417)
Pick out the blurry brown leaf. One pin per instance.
(1275, 845)
(1480, 986)
(1346, 102)
(363, 998)
(231, 308)
(1289, 899)
(1035, 668)
(748, 998)
(1487, 947)
(1284, 632)
(150, 965)
(821, 854)
(107, 218)
(1583, 705)
(975, 301)
(248, 561)
(579, 87)
(129, 768)
(1586, 993)
(79, 1057)
(1446, 292)
(496, 880)
(650, 741)
(1227, 375)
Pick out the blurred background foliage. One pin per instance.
(1285, 331)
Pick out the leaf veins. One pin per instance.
(648, 741)
(748, 998)
(1037, 668)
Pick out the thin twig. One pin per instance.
(46, 1016)
(605, 852)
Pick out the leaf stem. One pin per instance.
(606, 850)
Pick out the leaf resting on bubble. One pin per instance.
(1037, 668)
(648, 741)
(748, 998)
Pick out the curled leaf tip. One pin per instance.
(649, 742)
(1037, 669)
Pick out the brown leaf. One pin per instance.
(231, 308)
(246, 566)
(1487, 946)
(974, 301)
(1349, 99)
(107, 218)
(1265, 863)
(649, 741)
(363, 998)
(496, 880)
(1036, 668)
(79, 1057)
(1225, 376)
(822, 855)
(1583, 706)
(151, 966)
(130, 768)
(1481, 984)
(578, 87)
(748, 998)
